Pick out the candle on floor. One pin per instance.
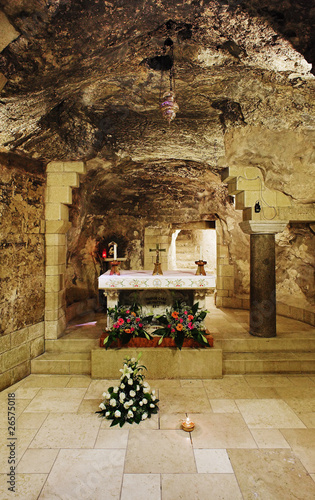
(188, 425)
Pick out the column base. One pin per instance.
(263, 335)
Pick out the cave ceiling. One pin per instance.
(84, 81)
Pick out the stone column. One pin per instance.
(61, 177)
(262, 275)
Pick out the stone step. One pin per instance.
(275, 344)
(268, 362)
(62, 363)
(71, 345)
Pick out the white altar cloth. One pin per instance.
(145, 279)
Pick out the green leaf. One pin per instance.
(195, 308)
(160, 341)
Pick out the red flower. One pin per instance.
(173, 330)
(181, 320)
(140, 325)
(128, 311)
(128, 320)
(190, 317)
(137, 320)
(168, 326)
(120, 321)
(132, 329)
(185, 312)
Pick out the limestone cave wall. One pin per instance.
(117, 202)
(22, 271)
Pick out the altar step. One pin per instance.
(275, 355)
(62, 363)
(65, 356)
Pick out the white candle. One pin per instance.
(115, 252)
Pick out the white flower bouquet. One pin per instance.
(131, 401)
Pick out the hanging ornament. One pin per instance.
(169, 107)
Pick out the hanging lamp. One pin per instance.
(169, 106)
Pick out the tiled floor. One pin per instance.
(254, 439)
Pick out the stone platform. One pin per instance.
(161, 362)
(292, 351)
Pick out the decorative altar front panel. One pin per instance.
(145, 279)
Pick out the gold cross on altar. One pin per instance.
(157, 264)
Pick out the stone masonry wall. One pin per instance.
(22, 272)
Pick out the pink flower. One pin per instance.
(168, 326)
(128, 311)
(137, 319)
(173, 330)
(128, 320)
(120, 321)
(181, 320)
(132, 329)
(190, 326)
(140, 325)
(185, 312)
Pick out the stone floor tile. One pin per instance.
(46, 381)
(68, 430)
(269, 438)
(268, 380)
(229, 387)
(112, 438)
(294, 391)
(28, 486)
(266, 393)
(97, 387)
(155, 452)
(141, 487)
(308, 419)
(224, 430)
(305, 405)
(268, 414)
(85, 475)
(57, 400)
(26, 392)
(302, 442)
(223, 406)
(29, 420)
(89, 405)
(271, 475)
(37, 461)
(79, 381)
(301, 380)
(149, 423)
(191, 383)
(200, 487)
(184, 400)
(164, 384)
(213, 461)
(171, 421)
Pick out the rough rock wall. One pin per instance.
(286, 159)
(116, 202)
(22, 271)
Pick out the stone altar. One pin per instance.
(113, 285)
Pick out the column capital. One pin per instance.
(263, 226)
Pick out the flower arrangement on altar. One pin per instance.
(132, 400)
(183, 322)
(127, 324)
